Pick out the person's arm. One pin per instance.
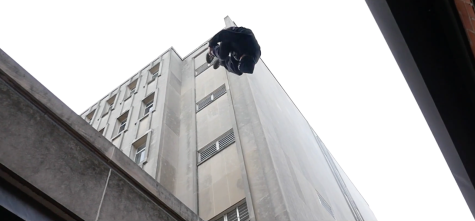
(223, 35)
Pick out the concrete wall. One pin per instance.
(220, 183)
(361, 203)
(170, 132)
(186, 183)
(285, 167)
(72, 168)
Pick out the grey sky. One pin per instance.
(329, 56)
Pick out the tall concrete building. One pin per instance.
(229, 147)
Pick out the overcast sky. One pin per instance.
(329, 56)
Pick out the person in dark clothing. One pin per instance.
(238, 50)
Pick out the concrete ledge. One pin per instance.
(80, 145)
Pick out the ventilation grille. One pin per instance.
(210, 98)
(219, 92)
(204, 103)
(215, 147)
(325, 204)
(239, 213)
(226, 140)
(243, 212)
(208, 152)
(201, 69)
(232, 216)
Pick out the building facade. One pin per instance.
(229, 147)
(55, 166)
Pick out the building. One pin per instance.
(433, 43)
(55, 166)
(227, 146)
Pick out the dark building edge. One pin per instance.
(428, 42)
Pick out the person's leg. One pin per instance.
(218, 63)
(222, 51)
(210, 55)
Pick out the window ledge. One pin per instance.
(143, 163)
(128, 97)
(116, 136)
(144, 116)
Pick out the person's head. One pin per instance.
(246, 64)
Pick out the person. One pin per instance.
(238, 50)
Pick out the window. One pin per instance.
(102, 131)
(239, 213)
(148, 107)
(122, 125)
(140, 155)
(122, 122)
(90, 116)
(131, 88)
(109, 105)
(140, 147)
(154, 72)
(147, 104)
(155, 75)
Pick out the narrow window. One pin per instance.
(109, 105)
(140, 147)
(147, 104)
(140, 155)
(90, 116)
(122, 122)
(148, 107)
(131, 88)
(155, 75)
(154, 72)
(122, 125)
(102, 131)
